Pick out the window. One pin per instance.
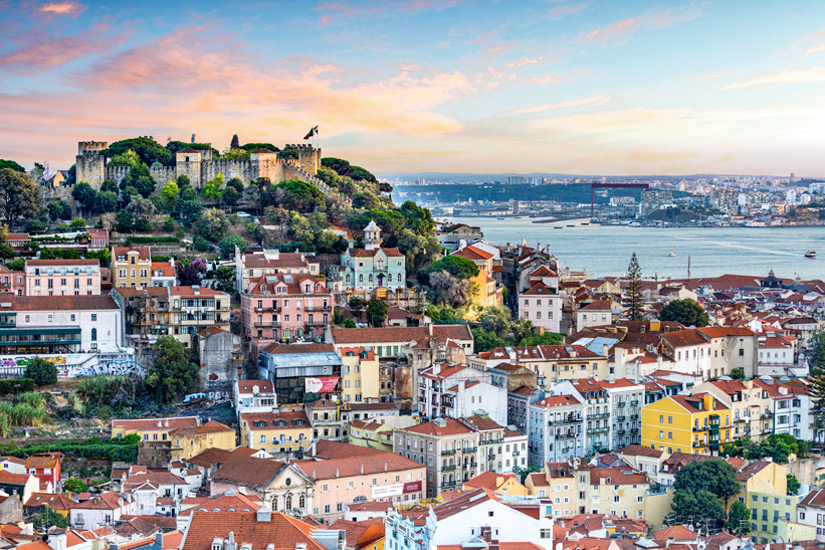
(94, 316)
(94, 335)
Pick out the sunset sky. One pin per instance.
(610, 87)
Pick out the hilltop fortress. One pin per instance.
(200, 167)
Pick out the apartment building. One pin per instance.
(456, 391)
(254, 396)
(301, 373)
(750, 404)
(59, 324)
(255, 265)
(283, 306)
(789, 411)
(150, 312)
(131, 267)
(594, 314)
(694, 424)
(62, 277)
(13, 282)
(284, 434)
(550, 363)
(184, 436)
(361, 376)
(517, 403)
(541, 305)
(555, 429)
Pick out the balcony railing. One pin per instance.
(598, 415)
(700, 428)
(470, 449)
(447, 453)
(317, 308)
(491, 442)
(448, 468)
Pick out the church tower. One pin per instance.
(372, 236)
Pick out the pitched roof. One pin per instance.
(538, 289)
(599, 305)
(57, 303)
(269, 420)
(282, 531)
(8, 478)
(166, 269)
(683, 338)
(364, 253)
(144, 252)
(465, 500)
(150, 424)
(451, 427)
(638, 450)
(248, 471)
(61, 263)
(333, 468)
(675, 532)
(53, 501)
(400, 334)
(472, 253)
(279, 349)
(557, 401)
(264, 386)
(490, 480)
(105, 501)
(718, 332)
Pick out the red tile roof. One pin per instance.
(264, 386)
(149, 424)
(282, 531)
(400, 334)
(451, 427)
(58, 303)
(332, 468)
(118, 251)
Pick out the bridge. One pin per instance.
(594, 186)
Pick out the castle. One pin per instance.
(200, 167)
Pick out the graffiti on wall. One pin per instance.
(73, 365)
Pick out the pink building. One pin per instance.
(285, 306)
(12, 281)
(62, 277)
(98, 239)
(542, 306)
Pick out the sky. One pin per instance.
(577, 87)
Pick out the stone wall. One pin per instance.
(808, 470)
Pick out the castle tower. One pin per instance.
(265, 165)
(90, 164)
(188, 162)
(309, 158)
(372, 236)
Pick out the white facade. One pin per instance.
(507, 524)
(88, 515)
(254, 396)
(514, 453)
(556, 429)
(457, 391)
(99, 329)
(791, 415)
(775, 354)
(694, 359)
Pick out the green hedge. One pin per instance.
(141, 239)
(16, 386)
(125, 450)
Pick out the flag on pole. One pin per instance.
(312, 132)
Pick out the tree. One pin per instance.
(688, 312)
(448, 290)
(496, 320)
(234, 144)
(714, 475)
(46, 518)
(19, 196)
(737, 373)
(169, 194)
(793, 484)
(236, 183)
(41, 371)
(200, 244)
(214, 188)
(228, 244)
(633, 291)
(83, 193)
(105, 201)
(75, 485)
(739, 519)
(546, 339)
(230, 196)
(78, 224)
(299, 195)
(190, 211)
(147, 150)
(11, 165)
(225, 279)
(59, 210)
(357, 304)
(173, 372)
(211, 225)
(377, 311)
(485, 341)
(191, 273)
(109, 185)
(817, 394)
(458, 267)
(816, 357)
(691, 507)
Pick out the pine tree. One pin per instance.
(235, 144)
(633, 291)
(817, 394)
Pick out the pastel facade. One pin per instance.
(131, 267)
(373, 267)
(361, 375)
(694, 424)
(62, 277)
(541, 306)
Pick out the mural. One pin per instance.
(73, 365)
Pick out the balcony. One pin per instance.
(634, 417)
(263, 309)
(739, 420)
(599, 429)
(700, 428)
(621, 418)
(470, 449)
(620, 404)
(634, 402)
(268, 324)
(492, 442)
(317, 322)
(598, 415)
(516, 453)
(447, 453)
(317, 308)
(448, 468)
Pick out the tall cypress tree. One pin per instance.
(235, 144)
(633, 292)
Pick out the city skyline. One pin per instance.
(420, 86)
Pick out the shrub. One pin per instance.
(41, 371)
(17, 386)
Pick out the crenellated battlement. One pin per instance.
(91, 147)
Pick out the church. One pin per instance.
(373, 267)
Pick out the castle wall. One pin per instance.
(117, 173)
(163, 174)
(230, 169)
(91, 169)
(191, 169)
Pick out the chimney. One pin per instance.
(263, 516)
(707, 401)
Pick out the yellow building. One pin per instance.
(748, 401)
(556, 481)
(278, 433)
(360, 375)
(131, 267)
(695, 424)
(186, 435)
(611, 491)
(501, 484)
(366, 433)
(552, 363)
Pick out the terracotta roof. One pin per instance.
(718, 332)
(57, 303)
(291, 283)
(489, 480)
(539, 289)
(155, 477)
(283, 261)
(472, 253)
(264, 386)
(8, 478)
(683, 338)
(695, 403)
(143, 252)
(332, 468)
(278, 349)
(451, 427)
(364, 253)
(599, 305)
(150, 424)
(293, 419)
(814, 498)
(104, 501)
(281, 531)
(675, 532)
(191, 291)
(399, 334)
(166, 268)
(248, 471)
(482, 423)
(53, 501)
(42, 462)
(62, 263)
(752, 469)
(222, 503)
(557, 401)
(638, 450)
(465, 500)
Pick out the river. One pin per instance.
(606, 250)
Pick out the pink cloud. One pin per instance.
(560, 12)
(620, 31)
(68, 7)
(36, 52)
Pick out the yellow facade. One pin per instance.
(276, 433)
(187, 444)
(498, 483)
(750, 407)
(612, 498)
(562, 491)
(131, 268)
(371, 434)
(699, 424)
(360, 375)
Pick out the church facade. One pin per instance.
(373, 267)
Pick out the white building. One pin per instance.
(59, 324)
(101, 510)
(690, 352)
(541, 305)
(456, 391)
(594, 314)
(254, 396)
(811, 511)
(555, 429)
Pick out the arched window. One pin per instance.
(361, 278)
(370, 277)
(302, 502)
(94, 335)
(288, 505)
(399, 277)
(348, 278)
